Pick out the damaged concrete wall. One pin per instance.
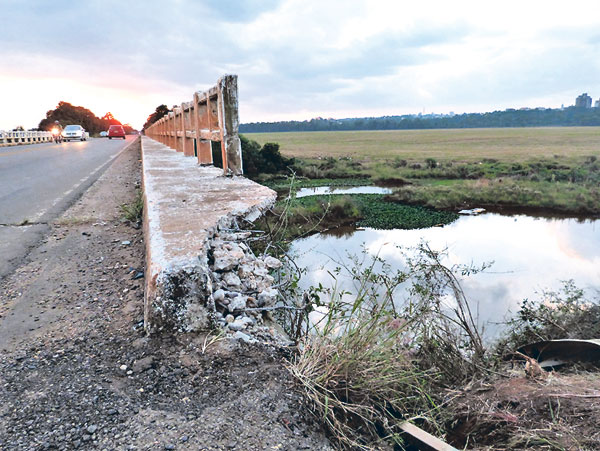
(196, 269)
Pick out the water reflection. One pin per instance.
(321, 190)
(530, 255)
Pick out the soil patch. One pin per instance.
(559, 411)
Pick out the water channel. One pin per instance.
(530, 255)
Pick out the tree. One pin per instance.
(66, 114)
(110, 119)
(159, 112)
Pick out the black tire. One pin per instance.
(110, 137)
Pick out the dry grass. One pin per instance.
(504, 144)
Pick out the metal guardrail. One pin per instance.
(211, 116)
(14, 138)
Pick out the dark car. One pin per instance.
(116, 131)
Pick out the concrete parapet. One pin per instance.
(211, 116)
(185, 205)
(15, 138)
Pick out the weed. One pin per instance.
(133, 212)
(400, 162)
(566, 313)
(431, 163)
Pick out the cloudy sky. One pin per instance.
(296, 59)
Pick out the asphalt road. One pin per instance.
(38, 182)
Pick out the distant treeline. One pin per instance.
(571, 116)
(67, 114)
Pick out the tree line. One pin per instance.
(66, 114)
(570, 116)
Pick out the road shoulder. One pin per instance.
(77, 371)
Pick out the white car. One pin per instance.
(74, 132)
(103, 134)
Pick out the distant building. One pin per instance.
(597, 104)
(583, 101)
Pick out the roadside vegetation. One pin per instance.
(66, 113)
(133, 212)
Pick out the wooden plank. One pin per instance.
(427, 440)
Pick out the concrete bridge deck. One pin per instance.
(185, 204)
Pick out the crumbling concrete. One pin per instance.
(187, 209)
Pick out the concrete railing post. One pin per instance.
(177, 126)
(202, 123)
(171, 125)
(187, 110)
(229, 123)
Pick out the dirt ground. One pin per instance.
(557, 411)
(78, 372)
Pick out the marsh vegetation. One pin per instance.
(550, 169)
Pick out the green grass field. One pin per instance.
(548, 169)
(504, 144)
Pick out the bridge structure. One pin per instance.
(212, 116)
(15, 138)
(191, 212)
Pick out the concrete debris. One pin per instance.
(238, 303)
(237, 325)
(272, 262)
(243, 337)
(231, 279)
(241, 281)
(267, 297)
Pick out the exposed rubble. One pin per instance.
(242, 287)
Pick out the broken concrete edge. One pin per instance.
(178, 292)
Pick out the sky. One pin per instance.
(296, 59)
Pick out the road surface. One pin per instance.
(38, 182)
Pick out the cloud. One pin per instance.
(306, 57)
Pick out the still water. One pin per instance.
(530, 255)
(322, 190)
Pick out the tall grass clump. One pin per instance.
(385, 352)
(360, 377)
(133, 212)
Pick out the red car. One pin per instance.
(116, 131)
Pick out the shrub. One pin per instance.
(400, 163)
(431, 163)
(565, 313)
(265, 160)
